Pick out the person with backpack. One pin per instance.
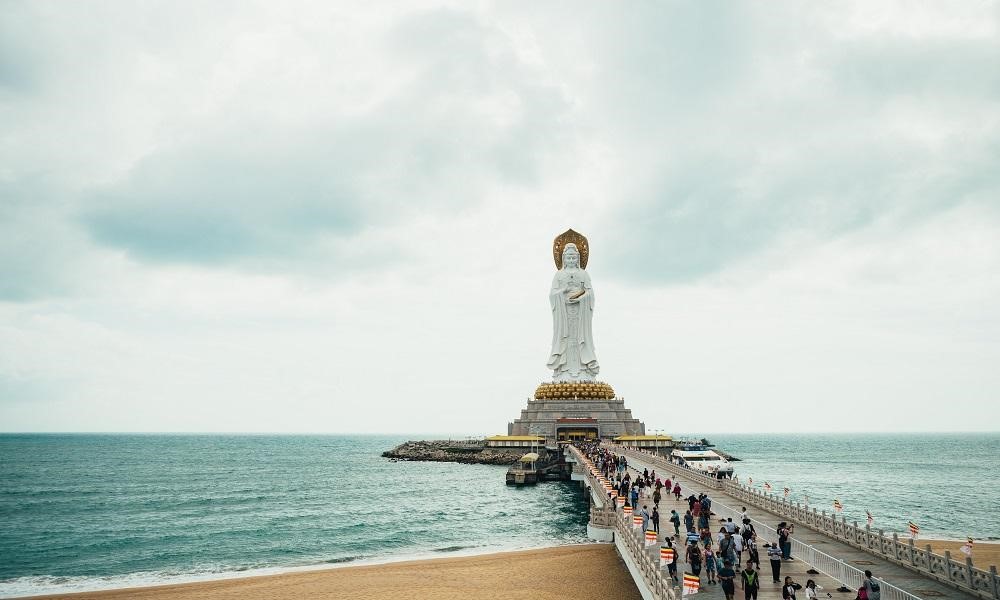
(751, 581)
(727, 549)
(873, 589)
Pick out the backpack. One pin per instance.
(876, 590)
(725, 546)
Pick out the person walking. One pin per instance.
(655, 517)
(677, 492)
(774, 555)
(751, 581)
(726, 577)
(672, 565)
(729, 525)
(709, 563)
(676, 520)
(727, 548)
(693, 558)
(752, 550)
(738, 544)
(688, 522)
(644, 513)
(872, 587)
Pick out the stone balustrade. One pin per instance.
(644, 562)
(959, 573)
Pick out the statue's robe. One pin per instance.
(572, 356)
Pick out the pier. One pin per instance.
(832, 547)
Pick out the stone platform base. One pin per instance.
(557, 418)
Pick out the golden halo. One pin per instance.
(570, 237)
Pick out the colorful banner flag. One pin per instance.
(967, 547)
(787, 491)
(767, 486)
(750, 482)
(637, 521)
(628, 511)
(666, 555)
(651, 537)
(691, 584)
(837, 506)
(620, 500)
(914, 530)
(871, 519)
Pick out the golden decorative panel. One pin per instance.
(570, 237)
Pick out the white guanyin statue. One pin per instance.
(572, 299)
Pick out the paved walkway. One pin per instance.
(768, 589)
(911, 581)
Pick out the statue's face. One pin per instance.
(571, 260)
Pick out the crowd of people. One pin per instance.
(719, 555)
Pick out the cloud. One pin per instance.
(210, 211)
(464, 115)
(815, 133)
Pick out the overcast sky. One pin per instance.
(333, 217)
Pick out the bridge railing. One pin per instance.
(960, 574)
(646, 560)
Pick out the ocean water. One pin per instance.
(81, 512)
(948, 484)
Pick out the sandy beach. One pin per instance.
(984, 554)
(583, 572)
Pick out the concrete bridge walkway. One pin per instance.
(724, 505)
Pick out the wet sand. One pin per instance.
(586, 572)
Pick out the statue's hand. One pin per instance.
(574, 300)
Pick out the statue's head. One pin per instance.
(571, 256)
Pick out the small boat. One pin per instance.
(524, 471)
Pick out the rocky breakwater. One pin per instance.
(450, 451)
